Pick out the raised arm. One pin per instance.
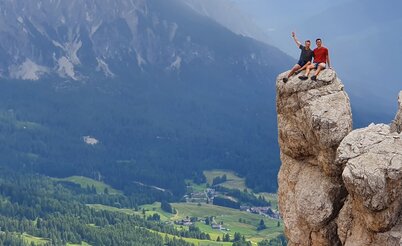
(295, 39)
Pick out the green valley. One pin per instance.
(38, 210)
(233, 220)
(216, 221)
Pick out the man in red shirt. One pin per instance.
(321, 60)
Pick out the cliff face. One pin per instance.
(336, 186)
(313, 118)
(372, 157)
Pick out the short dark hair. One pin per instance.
(318, 39)
(308, 40)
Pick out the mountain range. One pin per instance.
(129, 91)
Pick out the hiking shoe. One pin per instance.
(297, 72)
(314, 78)
(303, 77)
(285, 80)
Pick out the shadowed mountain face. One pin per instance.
(165, 92)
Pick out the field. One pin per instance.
(233, 220)
(84, 182)
(149, 210)
(233, 181)
(82, 244)
(198, 242)
(155, 208)
(31, 239)
(195, 187)
(236, 182)
(229, 217)
(42, 241)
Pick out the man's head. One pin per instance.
(307, 44)
(318, 42)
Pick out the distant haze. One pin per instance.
(364, 38)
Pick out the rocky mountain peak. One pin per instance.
(76, 40)
(336, 186)
(64, 38)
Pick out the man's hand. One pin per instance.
(295, 39)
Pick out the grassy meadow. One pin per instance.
(85, 182)
(229, 217)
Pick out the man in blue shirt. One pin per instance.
(306, 55)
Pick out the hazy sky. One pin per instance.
(364, 38)
(273, 14)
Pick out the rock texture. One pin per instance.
(336, 186)
(372, 157)
(313, 118)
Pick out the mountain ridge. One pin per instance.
(167, 92)
(93, 36)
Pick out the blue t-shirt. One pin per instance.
(305, 55)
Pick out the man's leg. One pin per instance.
(320, 67)
(302, 68)
(305, 76)
(294, 69)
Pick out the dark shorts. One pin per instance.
(316, 65)
(301, 63)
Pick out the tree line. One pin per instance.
(44, 208)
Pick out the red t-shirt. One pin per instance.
(320, 55)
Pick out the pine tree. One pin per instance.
(237, 237)
(261, 225)
(226, 238)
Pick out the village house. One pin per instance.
(184, 222)
(245, 208)
(216, 226)
(220, 227)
